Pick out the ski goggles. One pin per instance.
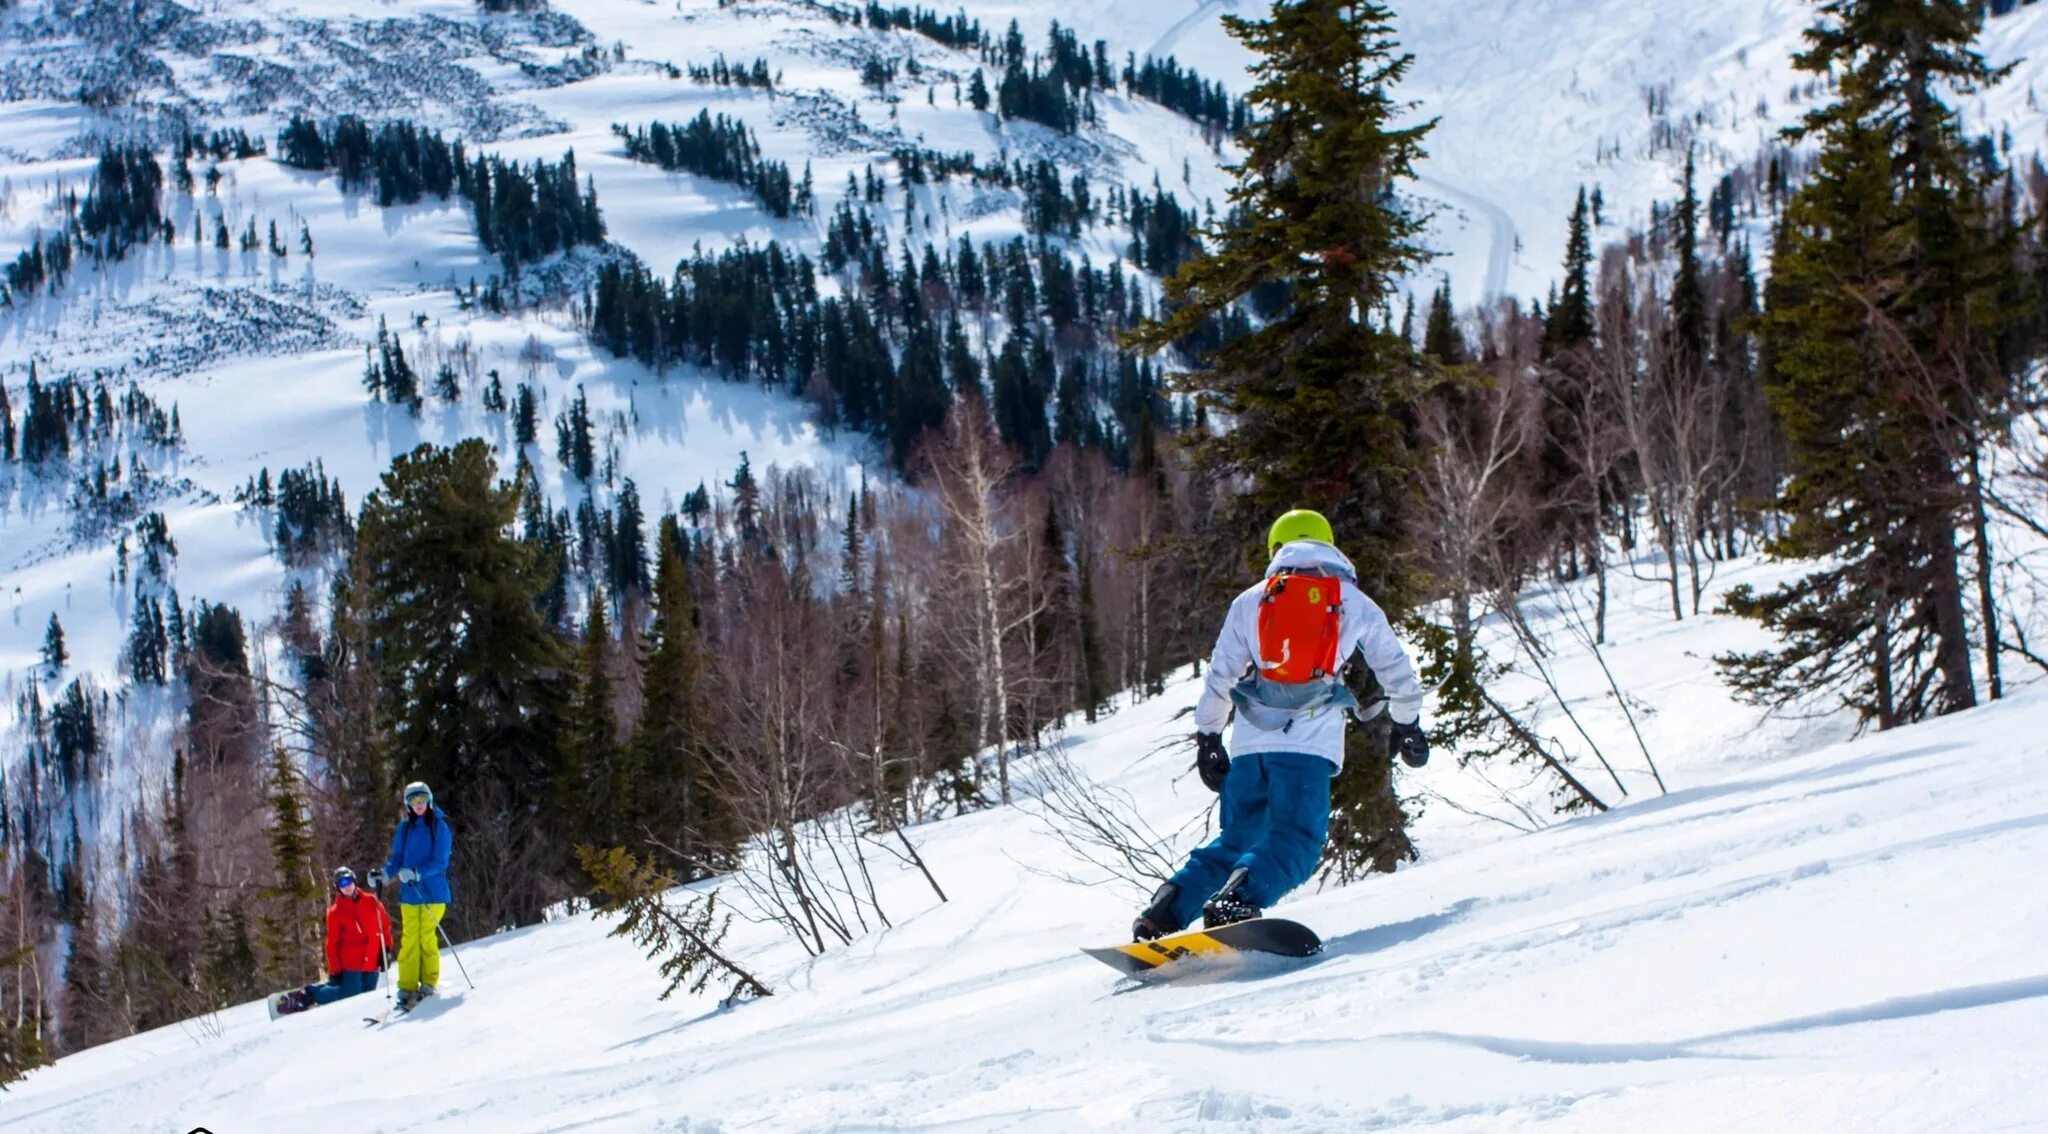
(344, 881)
(418, 797)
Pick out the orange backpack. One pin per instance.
(1299, 619)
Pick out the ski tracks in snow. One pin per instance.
(1164, 45)
(1502, 251)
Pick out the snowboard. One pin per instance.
(1271, 935)
(287, 1002)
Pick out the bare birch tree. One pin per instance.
(970, 472)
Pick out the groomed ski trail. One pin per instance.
(1501, 249)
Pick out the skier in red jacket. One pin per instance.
(358, 941)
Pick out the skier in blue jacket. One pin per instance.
(420, 849)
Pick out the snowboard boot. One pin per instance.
(1157, 919)
(1228, 907)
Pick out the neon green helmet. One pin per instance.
(1299, 524)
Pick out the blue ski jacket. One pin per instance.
(422, 843)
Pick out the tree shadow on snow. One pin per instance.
(723, 1007)
(1387, 936)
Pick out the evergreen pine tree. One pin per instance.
(1440, 338)
(627, 556)
(174, 625)
(90, 1014)
(1318, 395)
(669, 743)
(1571, 317)
(746, 503)
(165, 929)
(683, 937)
(291, 934)
(1882, 312)
(54, 654)
(597, 789)
(470, 691)
(1688, 292)
(574, 445)
(228, 968)
(147, 643)
(526, 417)
(852, 573)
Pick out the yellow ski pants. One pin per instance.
(419, 949)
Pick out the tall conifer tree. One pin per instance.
(599, 788)
(1571, 317)
(1882, 315)
(680, 805)
(1688, 291)
(1318, 395)
(291, 929)
(470, 677)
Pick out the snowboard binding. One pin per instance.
(1157, 920)
(1228, 906)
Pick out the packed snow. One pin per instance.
(1830, 939)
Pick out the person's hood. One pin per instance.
(1310, 554)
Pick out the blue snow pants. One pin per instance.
(351, 984)
(1275, 816)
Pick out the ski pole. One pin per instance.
(386, 962)
(387, 977)
(458, 957)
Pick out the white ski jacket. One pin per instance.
(1362, 627)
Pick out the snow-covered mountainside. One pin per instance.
(1809, 931)
(1533, 99)
(1844, 939)
(261, 355)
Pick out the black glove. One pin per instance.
(1410, 743)
(1212, 763)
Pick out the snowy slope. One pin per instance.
(1843, 939)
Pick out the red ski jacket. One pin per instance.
(358, 933)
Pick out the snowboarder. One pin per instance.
(1277, 662)
(358, 941)
(420, 849)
